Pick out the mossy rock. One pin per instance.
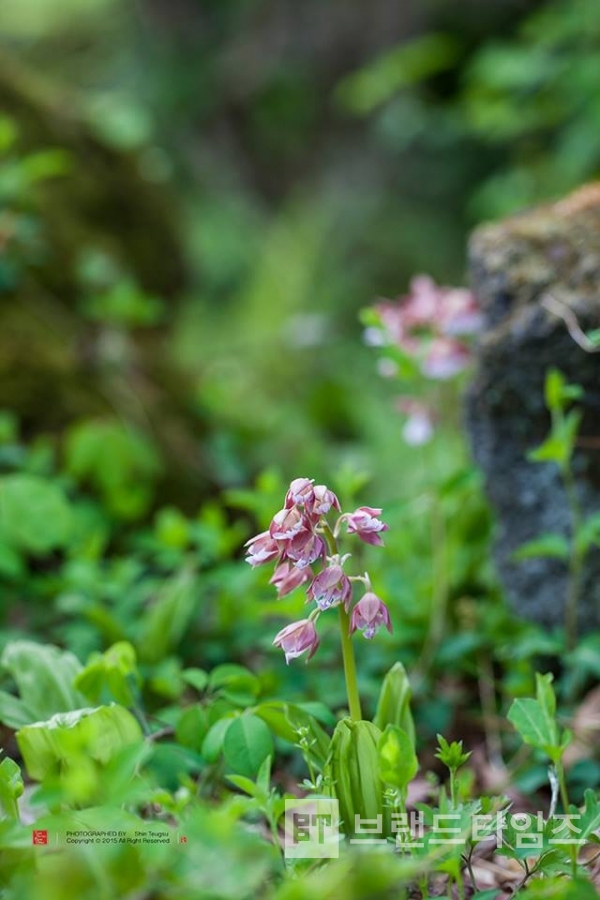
(532, 273)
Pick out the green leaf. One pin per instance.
(11, 562)
(290, 721)
(212, 745)
(236, 683)
(114, 670)
(94, 733)
(588, 533)
(245, 784)
(35, 515)
(559, 888)
(409, 63)
(393, 705)
(557, 393)
(263, 778)
(535, 720)
(11, 788)
(588, 820)
(122, 464)
(553, 389)
(528, 719)
(44, 676)
(168, 617)
(192, 727)
(398, 763)
(594, 337)
(247, 744)
(352, 772)
(547, 545)
(8, 133)
(197, 678)
(13, 712)
(558, 447)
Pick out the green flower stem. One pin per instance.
(346, 639)
(349, 665)
(564, 796)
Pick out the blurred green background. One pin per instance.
(197, 199)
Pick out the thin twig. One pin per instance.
(564, 312)
(167, 731)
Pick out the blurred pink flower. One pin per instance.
(418, 428)
(369, 614)
(297, 638)
(366, 525)
(330, 587)
(445, 358)
(425, 324)
(460, 313)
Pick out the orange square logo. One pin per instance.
(40, 837)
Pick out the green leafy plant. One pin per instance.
(558, 448)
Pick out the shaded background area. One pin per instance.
(264, 169)
(197, 200)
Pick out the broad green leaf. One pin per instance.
(35, 515)
(234, 682)
(11, 562)
(290, 722)
(588, 820)
(247, 744)
(263, 777)
(13, 712)
(11, 788)
(528, 718)
(44, 676)
(212, 744)
(319, 711)
(535, 720)
(67, 738)
(192, 727)
(548, 545)
(558, 887)
(197, 678)
(353, 774)
(114, 670)
(545, 694)
(398, 763)
(393, 705)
